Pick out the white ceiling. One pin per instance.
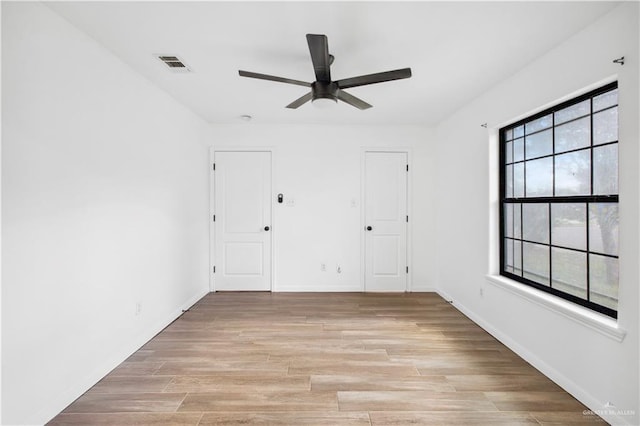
(456, 50)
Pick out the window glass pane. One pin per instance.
(508, 220)
(535, 260)
(603, 228)
(573, 135)
(512, 220)
(605, 100)
(508, 255)
(603, 280)
(508, 181)
(535, 218)
(518, 180)
(518, 131)
(509, 152)
(569, 271)
(517, 218)
(573, 173)
(605, 170)
(517, 257)
(539, 144)
(538, 124)
(518, 149)
(605, 126)
(508, 134)
(574, 111)
(569, 225)
(539, 177)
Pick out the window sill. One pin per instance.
(586, 317)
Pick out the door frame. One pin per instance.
(212, 209)
(363, 154)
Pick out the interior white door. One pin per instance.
(242, 220)
(386, 219)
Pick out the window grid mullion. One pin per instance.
(521, 241)
(513, 233)
(553, 155)
(591, 145)
(570, 151)
(550, 242)
(565, 199)
(588, 205)
(611, 256)
(553, 193)
(524, 166)
(588, 251)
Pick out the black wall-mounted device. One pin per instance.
(280, 198)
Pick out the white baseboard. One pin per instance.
(357, 288)
(343, 288)
(73, 392)
(416, 289)
(554, 375)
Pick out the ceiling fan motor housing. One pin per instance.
(324, 90)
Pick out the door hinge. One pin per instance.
(407, 167)
(214, 269)
(214, 167)
(214, 217)
(407, 269)
(407, 218)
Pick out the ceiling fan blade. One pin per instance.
(378, 77)
(352, 100)
(319, 49)
(300, 101)
(273, 78)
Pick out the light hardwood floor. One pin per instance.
(324, 359)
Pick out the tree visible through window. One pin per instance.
(559, 200)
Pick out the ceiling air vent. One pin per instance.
(174, 63)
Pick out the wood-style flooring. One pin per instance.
(324, 359)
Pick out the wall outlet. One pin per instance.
(323, 267)
(338, 269)
(481, 292)
(138, 308)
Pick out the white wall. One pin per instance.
(595, 368)
(104, 205)
(320, 168)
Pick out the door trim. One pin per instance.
(212, 236)
(363, 153)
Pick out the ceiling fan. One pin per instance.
(324, 87)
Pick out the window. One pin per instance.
(559, 200)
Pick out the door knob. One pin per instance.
(266, 228)
(369, 228)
